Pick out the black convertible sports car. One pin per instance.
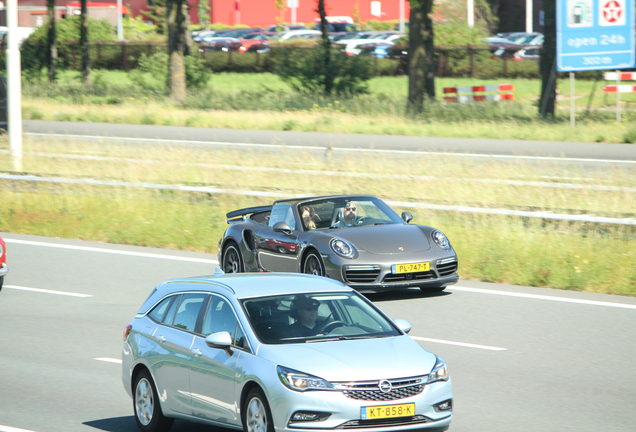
(357, 239)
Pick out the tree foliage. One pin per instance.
(157, 14)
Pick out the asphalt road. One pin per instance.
(522, 359)
(584, 151)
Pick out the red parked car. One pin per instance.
(3, 261)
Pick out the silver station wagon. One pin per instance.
(278, 352)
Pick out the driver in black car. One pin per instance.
(307, 313)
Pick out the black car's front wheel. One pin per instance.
(257, 416)
(313, 265)
(148, 412)
(232, 260)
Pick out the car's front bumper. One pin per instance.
(367, 274)
(4, 269)
(344, 413)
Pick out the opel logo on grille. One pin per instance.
(385, 386)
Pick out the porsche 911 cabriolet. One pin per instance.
(356, 239)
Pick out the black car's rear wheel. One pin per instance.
(232, 260)
(257, 416)
(313, 265)
(148, 412)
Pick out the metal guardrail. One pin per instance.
(279, 195)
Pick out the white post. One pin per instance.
(402, 12)
(618, 96)
(471, 14)
(120, 24)
(14, 86)
(529, 11)
(293, 15)
(572, 117)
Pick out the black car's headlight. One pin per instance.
(440, 239)
(342, 248)
(301, 381)
(439, 372)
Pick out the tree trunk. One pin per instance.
(51, 42)
(176, 45)
(86, 61)
(421, 55)
(547, 63)
(325, 46)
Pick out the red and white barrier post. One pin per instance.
(476, 93)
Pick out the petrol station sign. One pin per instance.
(595, 34)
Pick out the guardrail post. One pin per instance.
(505, 65)
(230, 60)
(471, 53)
(440, 64)
(258, 61)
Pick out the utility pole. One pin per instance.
(14, 86)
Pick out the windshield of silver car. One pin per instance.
(316, 317)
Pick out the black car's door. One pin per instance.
(278, 251)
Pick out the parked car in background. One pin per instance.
(299, 34)
(278, 353)
(256, 41)
(282, 28)
(337, 27)
(356, 46)
(220, 44)
(377, 250)
(523, 38)
(3, 261)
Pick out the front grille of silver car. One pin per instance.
(370, 390)
(361, 273)
(408, 276)
(446, 267)
(400, 421)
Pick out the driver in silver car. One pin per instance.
(305, 310)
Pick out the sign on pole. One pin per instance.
(595, 35)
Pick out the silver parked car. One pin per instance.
(278, 352)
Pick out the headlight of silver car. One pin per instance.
(439, 372)
(342, 248)
(301, 381)
(440, 239)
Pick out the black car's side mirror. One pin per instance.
(282, 227)
(407, 217)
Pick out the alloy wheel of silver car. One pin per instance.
(257, 418)
(313, 265)
(144, 402)
(148, 412)
(232, 262)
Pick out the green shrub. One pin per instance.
(152, 71)
(630, 136)
(305, 70)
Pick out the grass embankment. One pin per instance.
(256, 101)
(566, 255)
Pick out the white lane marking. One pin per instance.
(111, 251)
(542, 297)
(109, 360)
(45, 291)
(462, 344)
(342, 149)
(12, 429)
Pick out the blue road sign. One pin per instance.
(595, 34)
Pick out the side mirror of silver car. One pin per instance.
(407, 217)
(219, 340)
(404, 325)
